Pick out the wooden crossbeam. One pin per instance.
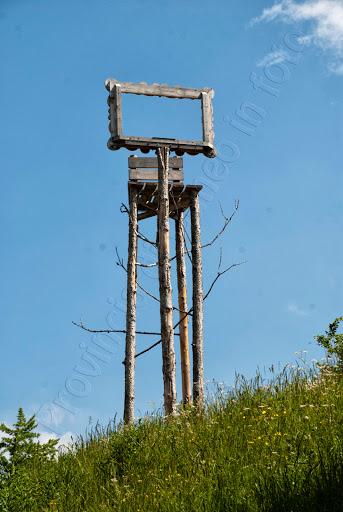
(152, 163)
(158, 90)
(152, 174)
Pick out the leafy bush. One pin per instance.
(332, 342)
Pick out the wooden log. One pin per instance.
(152, 163)
(186, 146)
(197, 346)
(182, 294)
(130, 348)
(156, 142)
(158, 90)
(166, 306)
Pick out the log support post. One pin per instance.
(197, 345)
(166, 307)
(182, 294)
(130, 348)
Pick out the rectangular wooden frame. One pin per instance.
(118, 140)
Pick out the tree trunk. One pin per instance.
(166, 307)
(130, 349)
(197, 346)
(182, 293)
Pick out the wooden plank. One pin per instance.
(159, 90)
(146, 215)
(158, 140)
(207, 121)
(179, 146)
(116, 112)
(152, 163)
(152, 174)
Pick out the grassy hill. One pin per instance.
(253, 448)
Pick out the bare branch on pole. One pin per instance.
(120, 263)
(219, 274)
(124, 209)
(108, 331)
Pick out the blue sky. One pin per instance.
(62, 189)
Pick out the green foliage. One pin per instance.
(266, 447)
(332, 342)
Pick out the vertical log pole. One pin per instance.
(183, 326)
(130, 349)
(166, 306)
(197, 345)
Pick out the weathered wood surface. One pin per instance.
(147, 144)
(197, 346)
(166, 306)
(152, 174)
(130, 348)
(179, 198)
(116, 112)
(159, 140)
(159, 90)
(182, 295)
(207, 120)
(136, 162)
(146, 215)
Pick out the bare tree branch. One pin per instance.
(227, 221)
(187, 251)
(219, 274)
(147, 266)
(124, 209)
(120, 263)
(114, 330)
(159, 341)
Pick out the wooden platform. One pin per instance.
(145, 168)
(179, 198)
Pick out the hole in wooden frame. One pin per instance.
(146, 144)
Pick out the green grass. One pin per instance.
(253, 448)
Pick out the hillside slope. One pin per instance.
(254, 448)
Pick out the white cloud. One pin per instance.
(293, 308)
(326, 24)
(64, 439)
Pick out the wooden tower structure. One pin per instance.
(156, 188)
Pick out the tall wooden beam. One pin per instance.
(130, 349)
(166, 306)
(198, 334)
(182, 294)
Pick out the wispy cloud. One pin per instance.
(326, 25)
(271, 58)
(293, 308)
